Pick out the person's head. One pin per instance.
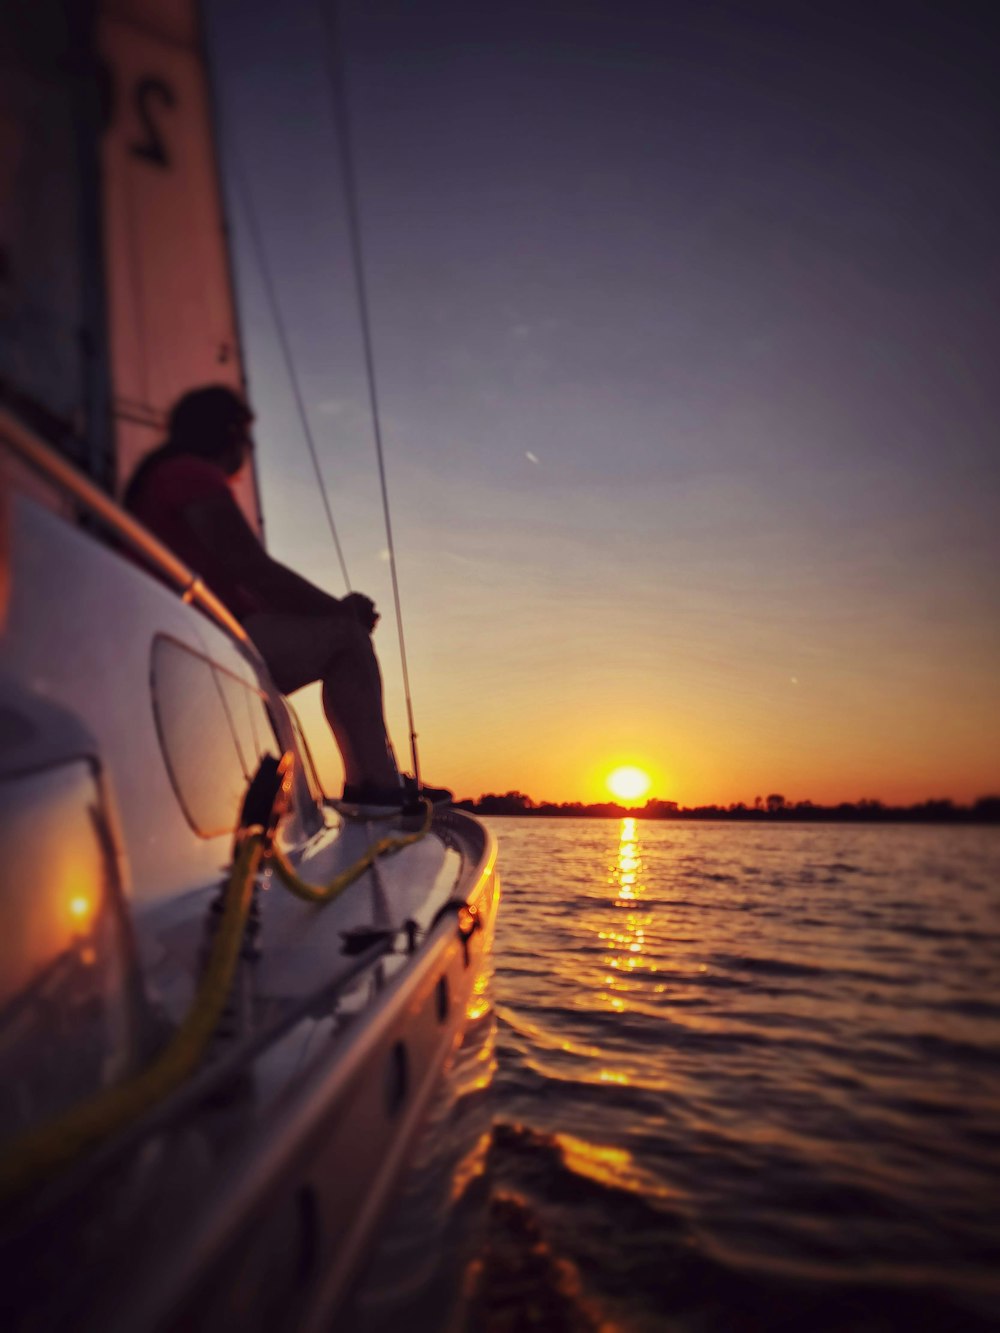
(214, 423)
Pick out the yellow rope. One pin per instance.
(43, 1151)
(325, 893)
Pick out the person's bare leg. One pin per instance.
(337, 651)
(352, 701)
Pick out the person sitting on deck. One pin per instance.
(181, 493)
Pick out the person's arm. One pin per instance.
(220, 525)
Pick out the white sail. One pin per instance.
(170, 299)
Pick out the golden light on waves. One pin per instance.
(625, 936)
(628, 783)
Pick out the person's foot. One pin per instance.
(407, 797)
(436, 795)
(368, 794)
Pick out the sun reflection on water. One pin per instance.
(608, 1165)
(481, 998)
(624, 933)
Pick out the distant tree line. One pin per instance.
(986, 810)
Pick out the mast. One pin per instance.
(170, 297)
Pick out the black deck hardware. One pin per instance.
(363, 937)
(268, 794)
(468, 919)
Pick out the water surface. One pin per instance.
(748, 1078)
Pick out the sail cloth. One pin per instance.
(49, 325)
(169, 291)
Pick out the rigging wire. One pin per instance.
(342, 124)
(257, 241)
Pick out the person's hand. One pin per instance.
(362, 608)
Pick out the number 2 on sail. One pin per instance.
(152, 147)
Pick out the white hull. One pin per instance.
(252, 1192)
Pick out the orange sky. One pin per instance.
(502, 704)
(690, 433)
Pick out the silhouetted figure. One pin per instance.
(182, 493)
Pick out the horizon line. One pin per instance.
(769, 805)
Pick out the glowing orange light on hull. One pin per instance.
(80, 908)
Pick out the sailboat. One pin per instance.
(232, 1011)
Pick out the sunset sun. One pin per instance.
(628, 783)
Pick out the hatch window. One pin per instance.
(198, 737)
(250, 720)
(307, 763)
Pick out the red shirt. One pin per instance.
(163, 493)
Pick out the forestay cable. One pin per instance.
(257, 241)
(342, 124)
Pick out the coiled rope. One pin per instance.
(323, 894)
(39, 1154)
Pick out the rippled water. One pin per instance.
(748, 1078)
